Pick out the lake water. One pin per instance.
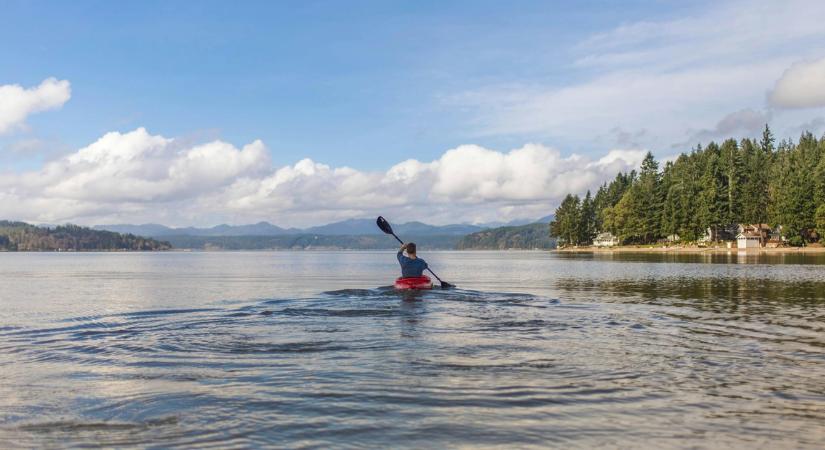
(306, 350)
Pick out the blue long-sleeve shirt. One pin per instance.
(411, 267)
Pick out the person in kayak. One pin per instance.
(411, 265)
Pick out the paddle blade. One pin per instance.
(383, 225)
(445, 285)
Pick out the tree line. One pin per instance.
(525, 237)
(20, 236)
(712, 187)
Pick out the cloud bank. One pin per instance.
(17, 102)
(140, 177)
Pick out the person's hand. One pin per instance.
(403, 247)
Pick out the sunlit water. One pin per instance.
(306, 349)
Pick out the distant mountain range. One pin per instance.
(310, 242)
(351, 227)
(517, 222)
(156, 230)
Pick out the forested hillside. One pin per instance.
(309, 242)
(713, 187)
(525, 237)
(20, 236)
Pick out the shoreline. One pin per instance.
(692, 249)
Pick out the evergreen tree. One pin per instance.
(587, 225)
(626, 217)
(609, 220)
(793, 187)
(820, 221)
(667, 221)
(819, 175)
(732, 168)
(767, 140)
(713, 199)
(757, 164)
(646, 202)
(609, 195)
(689, 226)
(567, 221)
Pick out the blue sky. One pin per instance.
(368, 85)
(356, 83)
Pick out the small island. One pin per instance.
(24, 237)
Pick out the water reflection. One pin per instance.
(709, 257)
(720, 293)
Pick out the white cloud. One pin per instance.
(139, 167)
(467, 183)
(17, 103)
(801, 86)
(125, 174)
(139, 177)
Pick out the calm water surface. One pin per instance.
(307, 350)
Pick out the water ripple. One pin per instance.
(375, 368)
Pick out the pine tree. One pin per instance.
(757, 162)
(819, 218)
(667, 222)
(793, 189)
(587, 225)
(767, 140)
(819, 175)
(712, 200)
(731, 162)
(567, 220)
(646, 200)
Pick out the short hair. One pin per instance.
(411, 248)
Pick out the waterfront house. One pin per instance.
(768, 236)
(762, 230)
(748, 240)
(605, 239)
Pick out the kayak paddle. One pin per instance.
(386, 228)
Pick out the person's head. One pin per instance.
(411, 248)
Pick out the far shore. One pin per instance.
(691, 249)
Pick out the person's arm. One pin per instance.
(400, 254)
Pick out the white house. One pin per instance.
(605, 240)
(748, 240)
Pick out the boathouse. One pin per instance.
(748, 240)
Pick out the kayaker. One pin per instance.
(411, 265)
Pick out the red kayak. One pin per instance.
(422, 282)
